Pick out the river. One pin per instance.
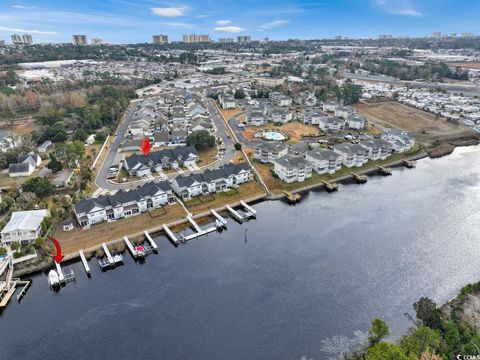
(304, 273)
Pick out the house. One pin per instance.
(331, 106)
(279, 99)
(179, 136)
(142, 165)
(211, 181)
(268, 152)
(352, 154)
(281, 115)
(123, 204)
(399, 139)
(226, 101)
(324, 160)
(357, 122)
(331, 123)
(33, 159)
(313, 117)
(255, 118)
(24, 226)
(378, 149)
(161, 138)
(44, 146)
(131, 145)
(20, 169)
(178, 115)
(291, 168)
(195, 109)
(344, 112)
(62, 178)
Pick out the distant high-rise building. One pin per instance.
(436, 35)
(159, 39)
(266, 40)
(453, 35)
(97, 41)
(2, 42)
(225, 40)
(27, 39)
(244, 39)
(338, 37)
(195, 38)
(467, 35)
(17, 39)
(80, 39)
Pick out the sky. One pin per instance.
(133, 21)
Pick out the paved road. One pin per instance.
(222, 131)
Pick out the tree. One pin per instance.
(201, 139)
(428, 312)
(422, 339)
(42, 187)
(378, 331)
(3, 251)
(15, 245)
(54, 164)
(80, 135)
(350, 93)
(239, 94)
(386, 351)
(238, 146)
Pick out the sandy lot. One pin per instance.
(21, 126)
(429, 128)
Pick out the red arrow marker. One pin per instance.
(59, 257)
(146, 146)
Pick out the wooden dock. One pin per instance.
(359, 179)
(292, 198)
(250, 211)
(409, 164)
(219, 218)
(107, 253)
(384, 171)
(6, 298)
(197, 228)
(130, 247)
(150, 240)
(235, 214)
(26, 285)
(85, 263)
(170, 234)
(61, 276)
(330, 187)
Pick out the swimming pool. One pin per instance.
(273, 135)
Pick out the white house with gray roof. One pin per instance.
(255, 118)
(123, 204)
(378, 149)
(291, 168)
(400, 140)
(24, 226)
(324, 160)
(268, 152)
(352, 154)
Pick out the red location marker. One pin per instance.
(146, 146)
(59, 257)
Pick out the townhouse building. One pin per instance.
(292, 168)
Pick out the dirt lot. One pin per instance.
(22, 126)
(293, 129)
(430, 130)
(77, 239)
(466, 65)
(228, 113)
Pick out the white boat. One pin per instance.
(53, 279)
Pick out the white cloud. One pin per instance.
(172, 11)
(223, 22)
(273, 24)
(229, 29)
(398, 7)
(16, 30)
(18, 6)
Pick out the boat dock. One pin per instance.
(150, 240)
(26, 285)
(84, 261)
(8, 295)
(197, 228)
(130, 247)
(384, 171)
(292, 198)
(219, 218)
(359, 179)
(61, 275)
(235, 214)
(107, 253)
(170, 234)
(409, 164)
(330, 187)
(250, 212)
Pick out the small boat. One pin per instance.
(53, 279)
(140, 251)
